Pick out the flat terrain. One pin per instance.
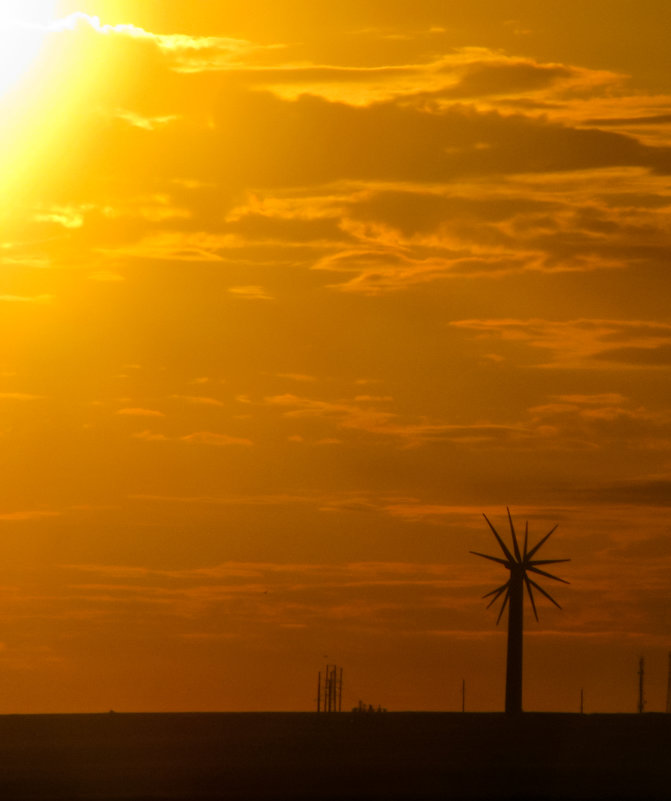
(339, 756)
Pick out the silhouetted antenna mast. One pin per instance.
(329, 691)
(519, 562)
(641, 680)
(463, 695)
(668, 688)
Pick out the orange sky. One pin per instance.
(289, 295)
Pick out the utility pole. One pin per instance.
(668, 688)
(582, 701)
(463, 695)
(641, 677)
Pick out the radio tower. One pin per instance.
(641, 679)
(329, 689)
(668, 688)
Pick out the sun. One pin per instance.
(23, 27)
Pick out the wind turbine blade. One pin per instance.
(496, 593)
(548, 575)
(531, 597)
(494, 600)
(493, 558)
(538, 544)
(542, 591)
(526, 538)
(518, 555)
(547, 562)
(498, 589)
(504, 548)
(503, 606)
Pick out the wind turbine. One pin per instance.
(520, 564)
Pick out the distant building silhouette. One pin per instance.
(361, 707)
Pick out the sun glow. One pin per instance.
(23, 25)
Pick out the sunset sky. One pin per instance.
(290, 294)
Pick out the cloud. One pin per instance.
(199, 400)
(423, 127)
(406, 235)
(34, 514)
(139, 412)
(218, 440)
(364, 415)
(300, 377)
(391, 141)
(20, 396)
(39, 299)
(251, 292)
(169, 246)
(150, 436)
(381, 270)
(460, 73)
(604, 421)
(183, 53)
(508, 77)
(197, 438)
(581, 343)
(638, 491)
(233, 500)
(655, 356)
(65, 216)
(140, 121)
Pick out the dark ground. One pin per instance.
(396, 755)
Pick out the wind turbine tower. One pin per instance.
(519, 563)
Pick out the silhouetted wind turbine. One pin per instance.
(520, 564)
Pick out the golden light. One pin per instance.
(23, 27)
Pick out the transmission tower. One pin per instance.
(329, 689)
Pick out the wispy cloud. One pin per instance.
(365, 415)
(250, 292)
(583, 343)
(215, 439)
(197, 438)
(188, 53)
(28, 515)
(199, 400)
(20, 396)
(25, 298)
(132, 411)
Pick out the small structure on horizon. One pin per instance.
(361, 707)
(519, 563)
(641, 685)
(668, 688)
(329, 689)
